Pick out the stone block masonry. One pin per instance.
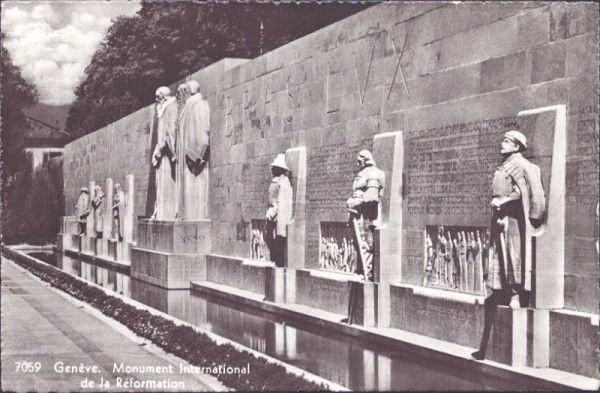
(462, 70)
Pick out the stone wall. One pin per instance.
(430, 70)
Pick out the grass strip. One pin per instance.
(182, 341)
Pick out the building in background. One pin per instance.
(43, 141)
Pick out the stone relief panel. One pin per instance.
(336, 251)
(258, 236)
(455, 258)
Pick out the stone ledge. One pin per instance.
(120, 266)
(573, 338)
(245, 274)
(332, 291)
(416, 344)
(171, 271)
(333, 275)
(435, 293)
(254, 262)
(451, 317)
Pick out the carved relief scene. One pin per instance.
(456, 258)
(258, 240)
(336, 250)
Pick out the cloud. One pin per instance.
(53, 43)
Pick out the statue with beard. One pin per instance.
(192, 152)
(164, 159)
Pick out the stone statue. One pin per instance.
(119, 211)
(518, 205)
(363, 207)
(279, 213)
(164, 159)
(430, 255)
(192, 152)
(97, 200)
(82, 209)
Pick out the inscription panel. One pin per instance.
(448, 177)
(585, 182)
(450, 169)
(331, 171)
(256, 176)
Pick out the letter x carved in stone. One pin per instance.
(399, 67)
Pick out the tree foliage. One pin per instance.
(17, 95)
(34, 204)
(166, 41)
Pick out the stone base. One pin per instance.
(574, 342)
(282, 285)
(69, 225)
(444, 315)
(123, 251)
(101, 247)
(175, 303)
(330, 291)
(88, 245)
(508, 341)
(63, 242)
(244, 274)
(112, 249)
(169, 254)
(76, 243)
(175, 237)
(171, 271)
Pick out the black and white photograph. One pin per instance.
(211, 196)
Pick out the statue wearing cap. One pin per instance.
(518, 207)
(279, 212)
(119, 211)
(97, 200)
(163, 157)
(192, 152)
(82, 209)
(363, 207)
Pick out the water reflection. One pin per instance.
(352, 363)
(107, 278)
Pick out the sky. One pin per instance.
(52, 42)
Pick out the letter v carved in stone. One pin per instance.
(363, 91)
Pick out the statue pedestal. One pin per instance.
(112, 249)
(63, 242)
(278, 286)
(75, 242)
(102, 247)
(333, 291)
(123, 251)
(88, 245)
(508, 341)
(170, 254)
(69, 228)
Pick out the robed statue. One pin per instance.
(192, 152)
(164, 159)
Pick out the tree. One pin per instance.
(17, 95)
(162, 44)
(166, 41)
